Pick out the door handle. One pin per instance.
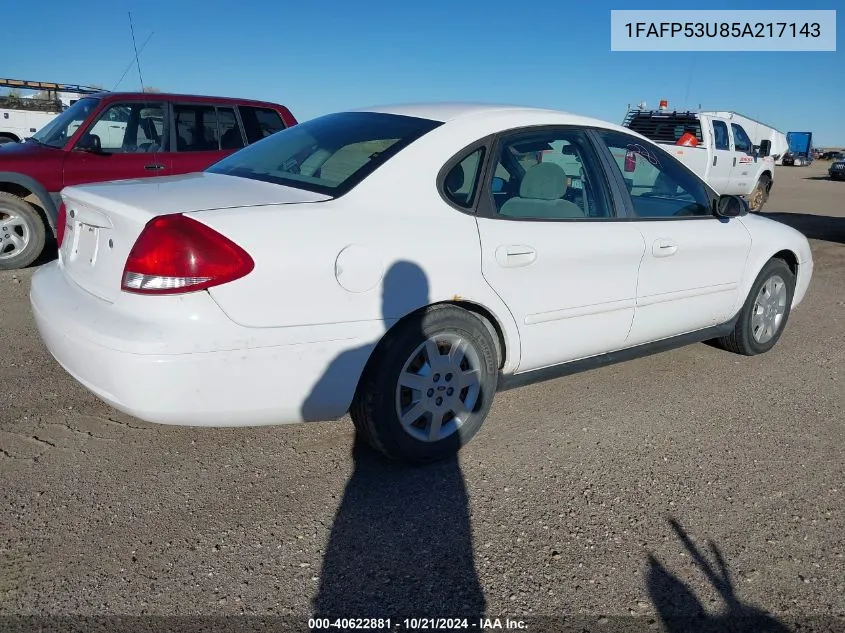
(715, 160)
(515, 255)
(664, 248)
(734, 161)
(154, 166)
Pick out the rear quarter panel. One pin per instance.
(383, 250)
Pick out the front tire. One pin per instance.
(428, 387)
(760, 195)
(766, 310)
(22, 232)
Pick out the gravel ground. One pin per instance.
(694, 483)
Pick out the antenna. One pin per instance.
(155, 164)
(141, 50)
(689, 81)
(135, 46)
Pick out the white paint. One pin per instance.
(288, 342)
(358, 268)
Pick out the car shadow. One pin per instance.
(401, 542)
(816, 227)
(680, 610)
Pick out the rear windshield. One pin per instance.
(665, 128)
(330, 154)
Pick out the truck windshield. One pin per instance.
(328, 155)
(58, 131)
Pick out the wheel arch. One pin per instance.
(506, 348)
(790, 258)
(755, 265)
(23, 186)
(10, 135)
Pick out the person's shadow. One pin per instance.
(682, 612)
(401, 543)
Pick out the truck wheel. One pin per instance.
(5, 138)
(22, 232)
(759, 195)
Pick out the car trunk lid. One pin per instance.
(105, 219)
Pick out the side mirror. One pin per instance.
(89, 143)
(765, 148)
(498, 184)
(731, 206)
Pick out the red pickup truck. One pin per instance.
(115, 136)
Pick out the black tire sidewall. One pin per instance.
(37, 231)
(387, 363)
(772, 267)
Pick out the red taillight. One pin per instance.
(175, 254)
(61, 223)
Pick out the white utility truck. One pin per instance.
(717, 148)
(758, 132)
(23, 116)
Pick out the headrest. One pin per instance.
(545, 181)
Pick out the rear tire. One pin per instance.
(766, 310)
(22, 232)
(413, 381)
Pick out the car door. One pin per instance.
(722, 161)
(694, 261)
(205, 133)
(744, 172)
(553, 248)
(125, 140)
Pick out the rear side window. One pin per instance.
(720, 135)
(330, 154)
(230, 131)
(196, 128)
(260, 122)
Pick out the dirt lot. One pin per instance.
(595, 496)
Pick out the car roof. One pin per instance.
(449, 111)
(174, 96)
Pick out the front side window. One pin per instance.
(549, 175)
(659, 185)
(720, 135)
(60, 130)
(330, 154)
(128, 128)
(741, 141)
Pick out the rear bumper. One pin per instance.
(256, 377)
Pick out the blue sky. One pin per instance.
(318, 57)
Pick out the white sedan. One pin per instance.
(403, 264)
